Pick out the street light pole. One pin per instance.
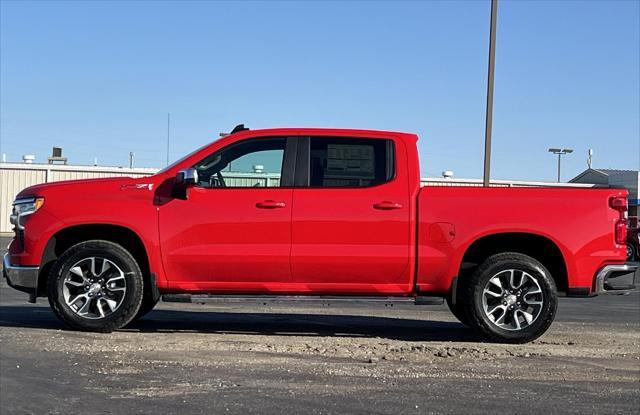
(560, 153)
(489, 115)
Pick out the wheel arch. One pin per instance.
(539, 247)
(65, 238)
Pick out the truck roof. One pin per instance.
(321, 131)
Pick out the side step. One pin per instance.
(310, 299)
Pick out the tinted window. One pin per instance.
(251, 163)
(349, 162)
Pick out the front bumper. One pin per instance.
(618, 279)
(21, 278)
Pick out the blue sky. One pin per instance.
(98, 78)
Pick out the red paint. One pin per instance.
(219, 237)
(578, 221)
(324, 241)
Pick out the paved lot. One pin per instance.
(353, 359)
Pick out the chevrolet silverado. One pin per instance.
(324, 214)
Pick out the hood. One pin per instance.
(87, 186)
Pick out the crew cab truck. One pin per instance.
(334, 214)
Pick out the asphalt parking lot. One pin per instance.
(250, 358)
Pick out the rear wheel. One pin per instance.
(95, 286)
(510, 298)
(631, 253)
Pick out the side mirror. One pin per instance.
(184, 179)
(187, 177)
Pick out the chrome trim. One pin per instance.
(16, 219)
(17, 276)
(187, 177)
(605, 271)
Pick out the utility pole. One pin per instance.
(131, 156)
(560, 153)
(489, 119)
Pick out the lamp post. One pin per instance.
(560, 152)
(486, 177)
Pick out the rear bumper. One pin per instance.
(21, 278)
(617, 279)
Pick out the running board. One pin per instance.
(310, 299)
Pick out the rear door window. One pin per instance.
(350, 162)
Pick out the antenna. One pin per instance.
(168, 125)
(590, 158)
(238, 128)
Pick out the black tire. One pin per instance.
(631, 252)
(148, 303)
(473, 292)
(130, 301)
(457, 310)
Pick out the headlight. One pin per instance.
(24, 207)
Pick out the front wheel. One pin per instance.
(148, 303)
(95, 286)
(510, 298)
(457, 310)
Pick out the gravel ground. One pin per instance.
(250, 358)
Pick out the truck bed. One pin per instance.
(574, 221)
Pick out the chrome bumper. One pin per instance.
(21, 278)
(617, 279)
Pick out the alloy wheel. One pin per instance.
(94, 288)
(512, 299)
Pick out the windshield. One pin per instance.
(180, 160)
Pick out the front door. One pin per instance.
(233, 233)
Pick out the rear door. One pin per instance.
(351, 216)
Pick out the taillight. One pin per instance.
(619, 203)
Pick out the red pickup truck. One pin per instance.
(325, 214)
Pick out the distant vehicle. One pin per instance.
(633, 241)
(340, 216)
